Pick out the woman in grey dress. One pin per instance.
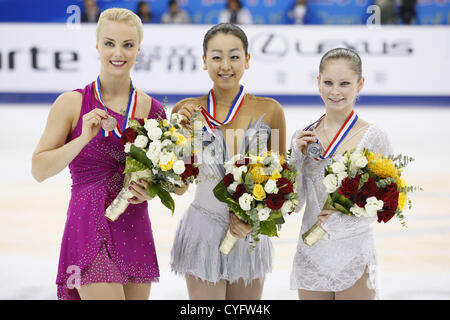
(247, 123)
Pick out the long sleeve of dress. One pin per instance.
(338, 260)
(297, 158)
(376, 141)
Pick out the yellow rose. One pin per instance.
(168, 166)
(181, 140)
(402, 195)
(165, 123)
(275, 175)
(382, 167)
(258, 192)
(258, 173)
(172, 130)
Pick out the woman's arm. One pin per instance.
(277, 140)
(52, 154)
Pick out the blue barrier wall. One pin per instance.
(207, 11)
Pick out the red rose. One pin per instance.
(389, 195)
(240, 190)
(129, 135)
(385, 215)
(242, 162)
(196, 172)
(285, 166)
(360, 199)
(275, 201)
(141, 121)
(369, 189)
(284, 185)
(349, 186)
(228, 179)
(188, 171)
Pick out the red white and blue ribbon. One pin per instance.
(131, 109)
(340, 135)
(210, 112)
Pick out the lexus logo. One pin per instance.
(269, 47)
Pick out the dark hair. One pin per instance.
(226, 28)
(238, 2)
(343, 53)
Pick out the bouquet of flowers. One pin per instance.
(160, 152)
(260, 191)
(365, 185)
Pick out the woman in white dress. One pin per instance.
(343, 264)
(259, 123)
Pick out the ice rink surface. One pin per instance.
(414, 262)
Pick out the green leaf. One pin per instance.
(166, 199)
(363, 180)
(268, 228)
(140, 156)
(249, 183)
(277, 217)
(154, 190)
(132, 165)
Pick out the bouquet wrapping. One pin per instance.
(364, 185)
(259, 190)
(161, 153)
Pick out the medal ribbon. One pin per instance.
(340, 135)
(132, 102)
(210, 113)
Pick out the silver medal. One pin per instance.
(313, 150)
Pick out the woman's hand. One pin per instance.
(181, 190)
(139, 192)
(186, 112)
(303, 139)
(238, 228)
(324, 215)
(92, 123)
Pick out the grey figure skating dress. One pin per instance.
(196, 245)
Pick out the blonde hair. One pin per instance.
(121, 15)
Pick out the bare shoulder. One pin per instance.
(68, 104)
(188, 102)
(144, 104)
(268, 104)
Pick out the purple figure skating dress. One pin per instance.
(94, 249)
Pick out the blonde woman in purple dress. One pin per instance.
(101, 259)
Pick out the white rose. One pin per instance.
(357, 211)
(154, 133)
(237, 173)
(165, 157)
(176, 118)
(141, 141)
(229, 167)
(245, 201)
(357, 160)
(341, 176)
(166, 143)
(178, 167)
(264, 213)
(331, 183)
(373, 205)
(270, 186)
(287, 207)
(128, 147)
(232, 187)
(150, 124)
(338, 167)
(154, 151)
